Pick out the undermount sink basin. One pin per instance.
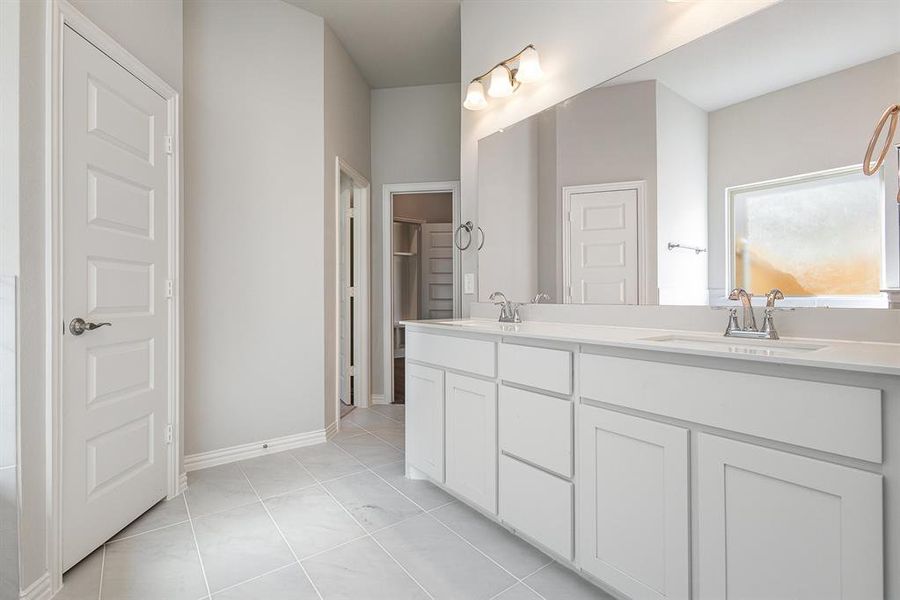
(737, 346)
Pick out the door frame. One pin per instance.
(643, 232)
(362, 391)
(387, 267)
(60, 15)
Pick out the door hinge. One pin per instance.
(170, 288)
(351, 292)
(170, 436)
(169, 144)
(351, 370)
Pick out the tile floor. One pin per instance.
(328, 522)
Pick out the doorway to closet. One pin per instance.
(421, 268)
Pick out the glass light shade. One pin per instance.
(475, 99)
(529, 66)
(501, 82)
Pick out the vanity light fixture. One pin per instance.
(504, 78)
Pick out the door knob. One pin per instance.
(78, 326)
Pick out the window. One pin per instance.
(811, 236)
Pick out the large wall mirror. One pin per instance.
(733, 161)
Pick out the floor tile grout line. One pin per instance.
(281, 533)
(197, 546)
(369, 534)
(522, 582)
(473, 546)
(102, 566)
(375, 435)
(140, 533)
(255, 577)
(380, 545)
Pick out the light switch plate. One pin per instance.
(469, 283)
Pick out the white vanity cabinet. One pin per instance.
(776, 525)
(425, 420)
(470, 417)
(661, 476)
(634, 513)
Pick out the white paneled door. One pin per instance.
(114, 269)
(602, 255)
(437, 271)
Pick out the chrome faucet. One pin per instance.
(747, 328)
(509, 311)
(540, 297)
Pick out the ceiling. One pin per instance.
(780, 46)
(396, 43)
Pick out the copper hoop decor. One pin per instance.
(892, 113)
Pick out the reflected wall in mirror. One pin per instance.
(733, 161)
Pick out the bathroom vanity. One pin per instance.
(665, 464)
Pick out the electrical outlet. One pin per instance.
(469, 283)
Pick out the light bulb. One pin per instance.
(475, 99)
(501, 82)
(529, 66)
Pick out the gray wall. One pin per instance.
(820, 124)
(415, 138)
(254, 272)
(347, 135)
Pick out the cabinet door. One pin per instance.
(471, 439)
(775, 525)
(633, 516)
(425, 420)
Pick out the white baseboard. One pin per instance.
(378, 399)
(202, 460)
(331, 430)
(182, 482)
(39, 590)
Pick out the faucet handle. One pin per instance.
(733, 324)
(773, 295)
(540, 297)
(498, 298)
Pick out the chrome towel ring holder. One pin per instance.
(893, 113)
(468, 227)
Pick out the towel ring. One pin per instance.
(892, 113)
(468, 227)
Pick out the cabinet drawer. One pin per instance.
(537, 367)
(537, 428)
(537, 504)
(824, 416)
(464, 354)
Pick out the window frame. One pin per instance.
(878, 300)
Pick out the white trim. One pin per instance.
(62, 15)
(379, 399)
(643, 234)
(363, 267)
(202, 460)
(39, 590)
(387, 265)
(332, 428)
(182, 482)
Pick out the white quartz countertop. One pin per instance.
(865, 357)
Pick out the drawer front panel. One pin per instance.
(464, 354)
(833, 418)
(538, 505)
(537, 367)
(537, 428)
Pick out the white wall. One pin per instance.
(820, 124)
(347, 135)
(415, 138)
(581, 45)
(254, 214)
(681, 174)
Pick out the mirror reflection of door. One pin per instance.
(422, 239)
